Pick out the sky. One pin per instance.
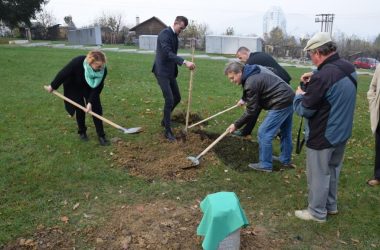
(359, 18)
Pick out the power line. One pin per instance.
(326, 21)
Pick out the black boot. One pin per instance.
(170, 136)
(103, 141)
(83, 136)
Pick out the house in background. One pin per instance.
(152, 26)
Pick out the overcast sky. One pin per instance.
(360, 18)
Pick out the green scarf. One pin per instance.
(93, 78)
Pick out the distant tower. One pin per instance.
(273, 18)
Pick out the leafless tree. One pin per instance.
(114, 23)
(197, 31)
(229, 31)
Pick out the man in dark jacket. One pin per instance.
(263, 89)
(328, 102)
(165, 69)
(263, 59)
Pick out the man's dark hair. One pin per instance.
(182, 19)
(326, 48)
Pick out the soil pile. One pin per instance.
(164, 160)
(157, 225)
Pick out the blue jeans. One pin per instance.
(275, 120)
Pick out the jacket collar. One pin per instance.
(249, 70)
(329, 59)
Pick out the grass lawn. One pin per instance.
(45, 170)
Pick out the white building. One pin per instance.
(230, 44)
(273, 18)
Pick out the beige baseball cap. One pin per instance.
(318, 40)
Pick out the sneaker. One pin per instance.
(305, 215)
(334, 212)
(103, 141)
(83, 136)
(256, 166)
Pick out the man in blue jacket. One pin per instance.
(165, 69)
(327, 101)
(263, 89)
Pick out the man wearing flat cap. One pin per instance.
(327, 101)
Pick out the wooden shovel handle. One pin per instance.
(213, 144)
(84, 109)
(208, 118)
(190, 90)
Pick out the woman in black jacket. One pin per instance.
(83, 81)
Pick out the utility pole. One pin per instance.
(326, 21)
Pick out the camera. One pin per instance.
(303, 86)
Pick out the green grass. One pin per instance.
(44, 170)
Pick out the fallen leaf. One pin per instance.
(87, 195)
(76, 206)
(140, 209)
(65, 219)
(343, 242)
(87, 216)
(354, 240)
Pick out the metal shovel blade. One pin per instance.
(131, 130)
(194, 162)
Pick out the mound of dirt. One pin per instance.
(165, 225)
(156, 225)
(164, 160)
(180, 117)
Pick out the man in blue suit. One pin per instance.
(165, 69)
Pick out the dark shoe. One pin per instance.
(83, 136)
(289, 165)
(334, 212)
(103, 141)
(169, 136)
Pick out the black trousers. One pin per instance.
(81, 116)
(377, 153)
(172, 97)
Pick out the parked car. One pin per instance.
(366, 63)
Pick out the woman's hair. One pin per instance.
(96, 56)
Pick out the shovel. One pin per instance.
(208, 118)
(195, 160)
(190, 90)
(124, 130)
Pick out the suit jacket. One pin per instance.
(373, 96)
(166, 61)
